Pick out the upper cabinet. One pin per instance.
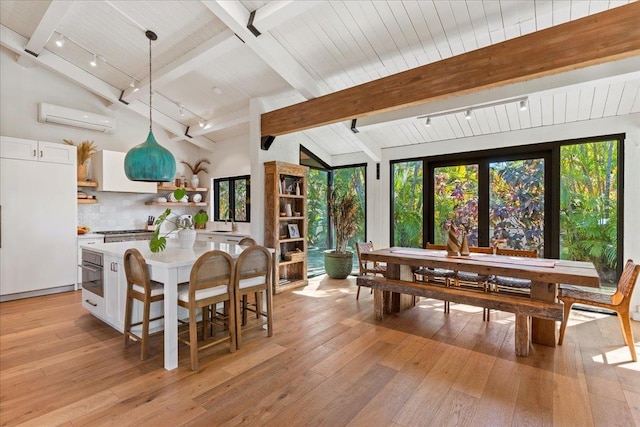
(107, 168)
(37, 151)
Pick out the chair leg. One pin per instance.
(193, 338)
(145, 330)
(237, 324)
(233, 331)
(127, 320)
(358, 293)
(258, 303)
(244, 310)
(627, 333)
(565, 319)
(269, 311)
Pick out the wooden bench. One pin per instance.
(522, 306)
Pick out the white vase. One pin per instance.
(195, 181)
(186, 238)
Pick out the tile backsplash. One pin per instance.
(122, 211)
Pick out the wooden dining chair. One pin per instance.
(141, 288)
(210, 283)
(511, 284)
(475, 280)
(247, 241)
(368, 267)
(435, 276)
(253, 276)
(618, 302)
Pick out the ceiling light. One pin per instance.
(181, 107)
(523, 105)
(467, 114)
(60, 41)
(150, 161)
(428, 122)
(133, 83)
(94, 61)
(201, 123)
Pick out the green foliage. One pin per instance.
(158, 243)
(588, 205)
(317, 209)
(407, 204)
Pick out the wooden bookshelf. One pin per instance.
(286, 184)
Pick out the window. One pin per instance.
(561, 198)
(232, 199)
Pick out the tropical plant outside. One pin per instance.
(407, 204)
(589, 205)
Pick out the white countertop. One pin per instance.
(223, 233)
(172, 256)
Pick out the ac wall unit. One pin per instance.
(49, 113)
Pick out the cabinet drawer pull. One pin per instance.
(41, 153)
(91, 303)
(34, 152)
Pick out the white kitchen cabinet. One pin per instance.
(115, 298)
(107, 169)
(93, 303)
(39, 218)
(40, 151)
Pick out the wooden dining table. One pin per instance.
(545, 275)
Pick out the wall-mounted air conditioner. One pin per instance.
(48, 113)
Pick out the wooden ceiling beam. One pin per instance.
(595, 39)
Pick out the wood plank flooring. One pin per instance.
(328, 364)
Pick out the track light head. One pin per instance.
(61, 40)
(94, 61)
(428, 123)
(467, 114)
(523, 105)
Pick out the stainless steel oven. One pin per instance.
(126, 235)
(93, 272)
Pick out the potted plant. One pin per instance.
(85, 150)
(186, 233)
(196, 169)
(343, 208)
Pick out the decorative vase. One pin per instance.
(337, 265)
(464, 246)
(195, 181)
(186, 238)
(82, 172)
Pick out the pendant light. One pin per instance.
(150, 161)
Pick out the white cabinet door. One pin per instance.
(18, 148)
(57, 153)
(115, 292)
(42, 151)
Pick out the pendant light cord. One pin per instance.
(150, 90)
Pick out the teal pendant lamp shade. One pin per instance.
(150, 161)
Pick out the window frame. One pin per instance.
(231, 180)
(550, 151)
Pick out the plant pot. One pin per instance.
(338, 266)
(82, 173)
(186, 238)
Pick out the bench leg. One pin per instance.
(378, 304)
(523, 335)
(543, 331)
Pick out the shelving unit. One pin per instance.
(286, 184)
(87, 184)
(190, 192)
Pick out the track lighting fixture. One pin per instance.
(94, 61)
(201, 123)
(60, 41)
(522, 104)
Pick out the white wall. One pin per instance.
(22, 88)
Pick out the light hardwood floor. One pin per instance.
(329, 363)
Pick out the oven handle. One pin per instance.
(95, 270)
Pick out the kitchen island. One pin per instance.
(171, 266)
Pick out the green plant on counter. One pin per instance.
(158, 243)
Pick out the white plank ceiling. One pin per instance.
(306, 49)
